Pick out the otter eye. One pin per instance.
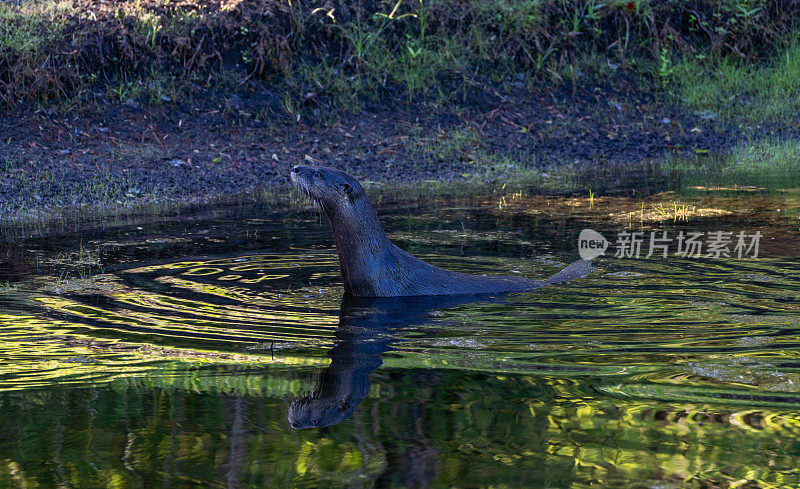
(345, 187)
(317, 174)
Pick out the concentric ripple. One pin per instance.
(669, 324)
(187, 370)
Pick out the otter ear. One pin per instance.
(348, 190)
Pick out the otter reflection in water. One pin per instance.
(366, 327)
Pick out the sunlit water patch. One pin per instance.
(223, 303)
(649, 320)
(203, 368)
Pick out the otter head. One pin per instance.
(332, 189)
(312, 412)
(360, 241)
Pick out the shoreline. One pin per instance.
(134, 156)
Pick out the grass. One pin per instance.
(113, 212)
(769, 167)
(21, 25)
(155, 87)
(735, 89)
(486, 165)
(318, 59)
(55, 220)
(713, 55)
(772, 166)
(47, 186)
(27, 31)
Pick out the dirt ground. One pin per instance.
(123, 153)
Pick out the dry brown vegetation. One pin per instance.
(56, 50)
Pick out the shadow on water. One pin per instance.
(182, 355)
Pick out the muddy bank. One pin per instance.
(127, 153)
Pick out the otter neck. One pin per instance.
(361, 243)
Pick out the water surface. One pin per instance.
(219, 351)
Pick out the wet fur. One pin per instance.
(372, 266)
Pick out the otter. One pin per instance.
(372, 266)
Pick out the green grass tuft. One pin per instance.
(21, 26)
(323, 57)
(771, 167)
(733, 88)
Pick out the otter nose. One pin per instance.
(296, 169)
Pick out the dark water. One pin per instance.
(218, 351)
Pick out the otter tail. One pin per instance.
(577, 269)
